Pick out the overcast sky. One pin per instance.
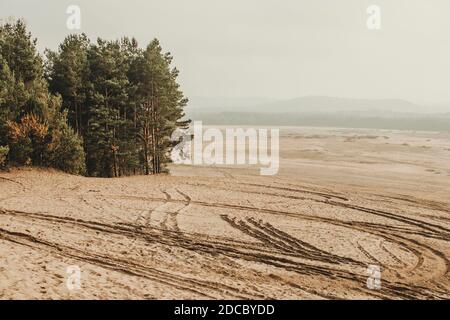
(273, 48)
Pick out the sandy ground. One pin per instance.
(344, 200)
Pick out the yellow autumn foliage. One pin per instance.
(29, 125)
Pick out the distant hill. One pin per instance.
(330, 104)
(322, 111)
(302, 104)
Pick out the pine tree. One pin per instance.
(122, 101)
(66, 72)
(29, 115)
(18, 48)
(109, 104)
(13, 97)
(159, 105)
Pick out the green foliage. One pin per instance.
(31, 122)
(3, 154)
(106, 109)
(13, 97)
(109, 139)
(66, 72)
(135, 105)
(65, 147)
(27, 139)
(18, 48)
(159, 105)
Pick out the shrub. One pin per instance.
(64, 149)
(3, 154)
(26, 140)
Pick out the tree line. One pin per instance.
(103, 109)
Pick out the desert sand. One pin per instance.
(343, 200)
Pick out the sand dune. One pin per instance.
(343, 200)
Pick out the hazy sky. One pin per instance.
(273, 48)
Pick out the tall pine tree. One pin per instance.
(32, 125)
(159, 105)
(67, 71)
(122, 101)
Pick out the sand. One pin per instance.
(344, 203)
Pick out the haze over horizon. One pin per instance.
(270, 49)
(312, 103)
